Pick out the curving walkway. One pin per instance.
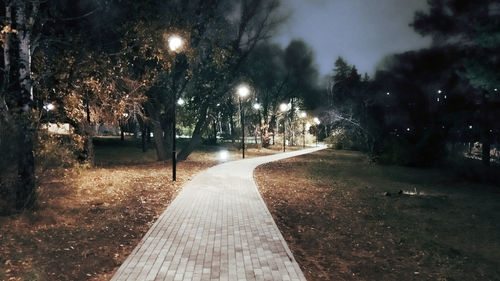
(217, 228)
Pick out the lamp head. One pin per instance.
(175, 42)
(243, 91)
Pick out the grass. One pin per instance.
(88, 220)
(348, 219)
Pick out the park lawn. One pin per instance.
(346, 218)
(87, 221)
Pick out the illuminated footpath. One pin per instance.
(217, 228)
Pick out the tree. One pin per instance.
(16, 97)
(279, 76)
(475, 28)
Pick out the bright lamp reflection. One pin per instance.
(223, 155)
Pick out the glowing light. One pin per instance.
(408, 129)
(308, 125)
(223, 155)
(439, 91)
(283, 107)
(388, 93)
(303, 115)
(175, 43)
(437, 99)
(256, 106)
(49, 107)
(470, 126)
(316, 120)
(495, 90)
(180, 101)
(125, 114)
(243, 91)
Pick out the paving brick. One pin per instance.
(217, 228)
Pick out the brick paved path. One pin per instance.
(217, 228)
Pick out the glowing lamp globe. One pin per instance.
(175, 43)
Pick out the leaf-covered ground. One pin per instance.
(348, 219)
(88, 220)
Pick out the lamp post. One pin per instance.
(257, 107)
(316, 120)
(284, 108)
(303, 116)
(175, 44)
(242, 91)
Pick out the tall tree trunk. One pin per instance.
(155, 123)
(88, 145)
(231, 127)
(215, 130)
(196, 137)
(144, 138)
(122, 133)
(26, 187)
(265, 139)
(161, 151)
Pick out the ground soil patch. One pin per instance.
(346, 218)
(87, 221)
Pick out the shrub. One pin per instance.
(54, 150)
(342, 139)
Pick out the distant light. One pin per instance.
(243, 91)
(408, 129)
(283, 107)
(316, 120)
(180, 101)
(303, 115)
(439, 91)
(125, 114)
(445, 96)
(49, 107)
(437, 99)
(470, 126)
(495, 90)
(175, 42)
(217, 104)
(256, 106)
(223, 155)
(388, 93)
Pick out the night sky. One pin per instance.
(361, 31)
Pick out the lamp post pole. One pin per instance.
(242, 91)
(284, 133)
(242, 116)
(175, 44)
(174, 154)
(284, 108)
(303, 134)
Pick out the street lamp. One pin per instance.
(242, 91)
(303, 116)
(257, 107)
(284, 108)
(175, 44)
(316, 120)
